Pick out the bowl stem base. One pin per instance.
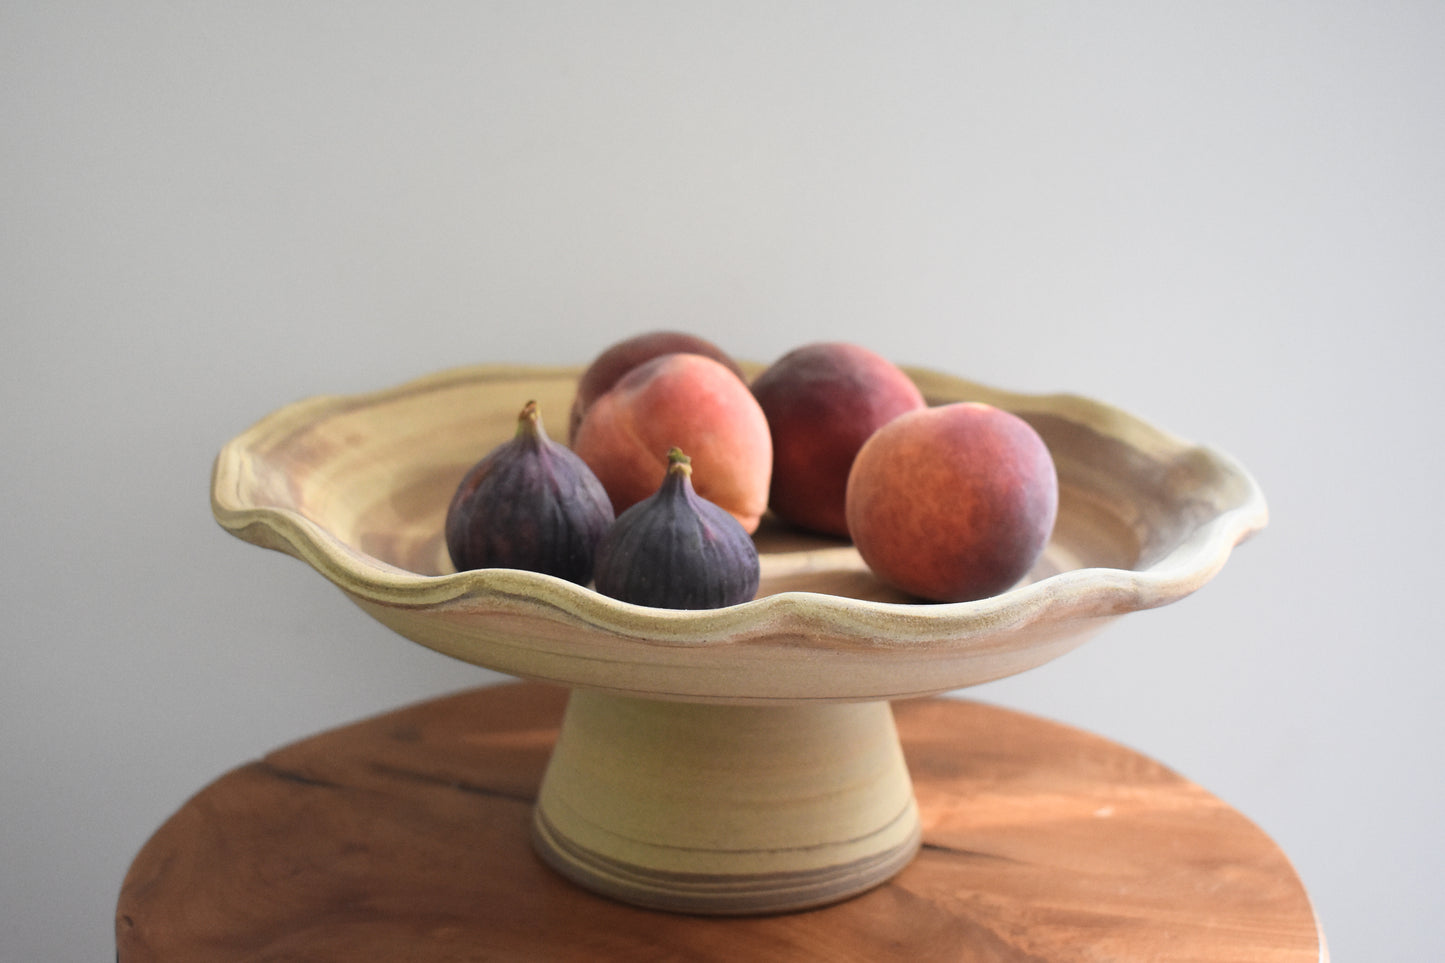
(726, 810)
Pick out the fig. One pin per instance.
(530, 504)
(677, 550)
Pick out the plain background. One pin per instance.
(1225, 218)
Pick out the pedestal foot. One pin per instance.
(726, 809)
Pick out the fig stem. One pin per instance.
(678, 463)
(529, 422)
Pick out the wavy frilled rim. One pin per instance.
(356, 487)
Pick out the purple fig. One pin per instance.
(677, 550)
(529, 504)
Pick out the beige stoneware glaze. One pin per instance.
(738, 760)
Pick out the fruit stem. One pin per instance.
(529, 422)
(678, 463)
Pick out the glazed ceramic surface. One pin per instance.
(357, 487)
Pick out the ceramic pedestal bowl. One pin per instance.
(737, 760)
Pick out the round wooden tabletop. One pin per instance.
(407, 837)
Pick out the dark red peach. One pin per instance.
(823, 401)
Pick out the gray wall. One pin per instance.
(1227, 220)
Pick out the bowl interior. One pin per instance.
(377, 475)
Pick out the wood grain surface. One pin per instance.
(406, 837)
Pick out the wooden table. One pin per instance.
(406, 837)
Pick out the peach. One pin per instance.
(953, 503)
(682, 401)
(823, 401)
(622, 357)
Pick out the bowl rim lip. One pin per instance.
(1075, 593)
